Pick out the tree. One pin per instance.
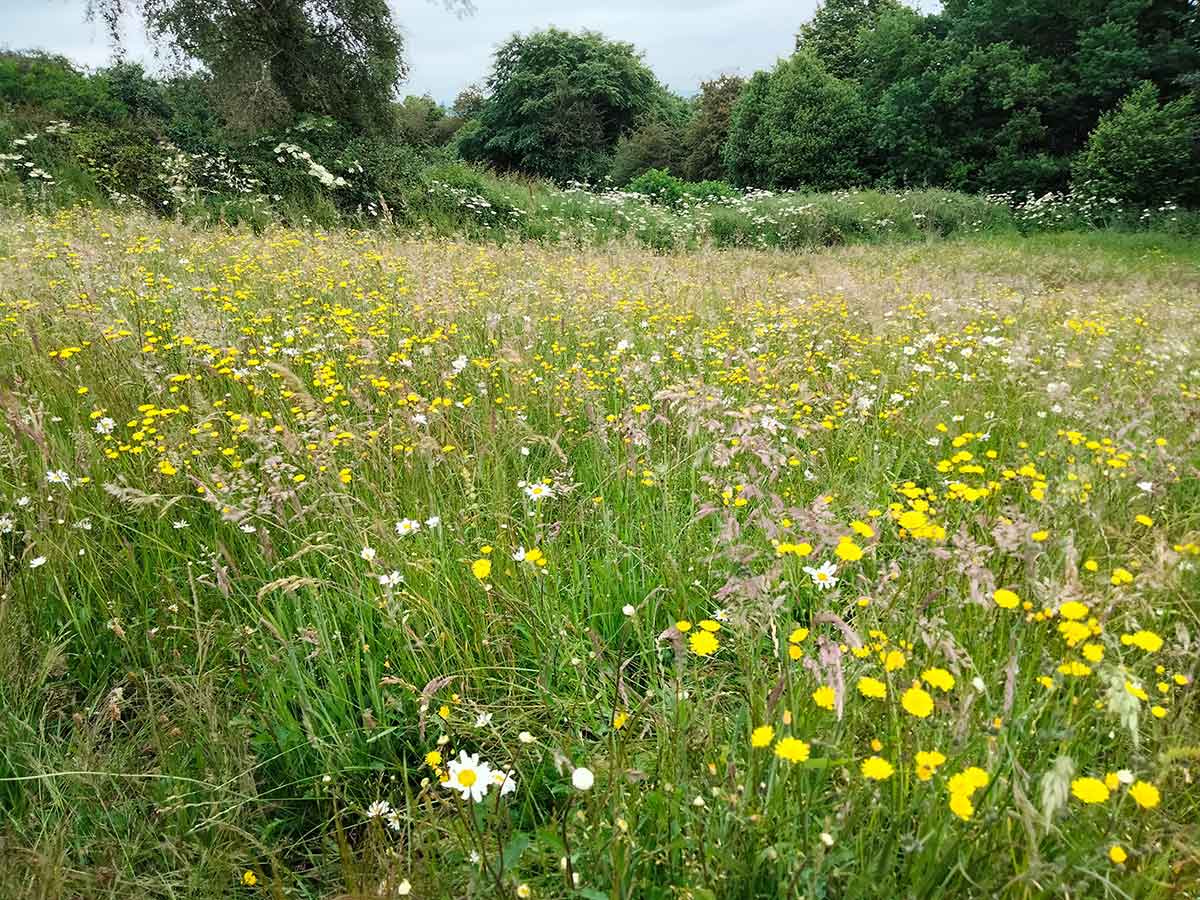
(709, 128)
(800, 127)
(1143, 152)
(340, 58)
(558, 102)
(747, 147)
(833, 33)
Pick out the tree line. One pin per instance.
(981, 95)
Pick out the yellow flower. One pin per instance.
(938, 678)
(523, 891)
(960, 805)
(1117, 854)
(703, 643)
(1072, 609)
(824, 697)
(917, 702)
(877, 768)
(862, 529)
(931, 759)
(709, 625)
(249, 878)
(1142, 519)
(912, 519)
(872, 687)
(893, 661)
(481, 568)
(1006, 599)
(1121, 576)
(1144, 794)
(848, 550)
(620, 717)
(762, 736)
(792, 749)
(433, 759)
(683, 626)
(968, 781)
(1089, 790)
(1143, 640)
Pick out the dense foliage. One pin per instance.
(558, 103)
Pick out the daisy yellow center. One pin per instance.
(467, 777)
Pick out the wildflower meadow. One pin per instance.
(337, 564)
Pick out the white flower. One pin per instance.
(1124, 776)
(505, 780)
(23, 501)
(367, 553)
(37, 561)
(469, 776)
(519, 555)
(6, 524)
(58, 476)
(248, 528)
(483, 720)
(391, 579)
(105, 426)
(826, 838)
(538, 491)
(393, 820)
(1146, 486)
(433, 521)
(525, 737)
(420, 419)
(404, 888)
(406, 527)
(179, 523)
(378, 809)
(459, 362)
(628, 609)
(583, 779)
(823, 577)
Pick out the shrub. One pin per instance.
(1143, 152)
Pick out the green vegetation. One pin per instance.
(343, 566)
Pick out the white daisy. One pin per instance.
(469, 776)
(823, 577)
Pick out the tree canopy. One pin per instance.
(558, 102)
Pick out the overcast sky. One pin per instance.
(685, 41)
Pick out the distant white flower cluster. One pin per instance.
(285, 150)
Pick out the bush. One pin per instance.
(665, 189)
(1143, 152)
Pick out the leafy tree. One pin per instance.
(469, 102)
(422, 121)
(558, 102)
(655, 145)
(801, 127)
(1143, 152)
(833, 34)
(709, 127)
(340, 58)
(746, 149)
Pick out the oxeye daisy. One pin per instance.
(470, 777)
(823, 576)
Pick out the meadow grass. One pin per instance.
(863, 572)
